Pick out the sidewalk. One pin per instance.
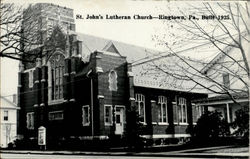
(194, 153)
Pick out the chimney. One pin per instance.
(14, 98)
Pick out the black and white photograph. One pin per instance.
(124, 79)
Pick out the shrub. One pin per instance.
(26, 144)
(211, 125)
(241, 123)
(134, 130)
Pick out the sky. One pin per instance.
(137, 32)
(131, 31)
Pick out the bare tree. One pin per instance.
(12, 41)
(219, 27)
(24, 31)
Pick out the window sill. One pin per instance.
(143, 123)
(180, 123)
(163, 124)
(183, 123)
(108, 124)
(54, 102)
(86, 124)
(55, 119)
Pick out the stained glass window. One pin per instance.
(57, 71)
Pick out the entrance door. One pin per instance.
(119, 120)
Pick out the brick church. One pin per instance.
(84, 86)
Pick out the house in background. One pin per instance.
(8, 121)
(86, 86)
(229, 72)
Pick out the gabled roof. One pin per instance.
(216, 59)
(92, 43)
(7, 104)
(141, 59)
(227, 50)
(111, 48)
(169, 72)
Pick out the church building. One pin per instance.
(85, 87)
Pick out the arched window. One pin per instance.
(163, 112)
(140, 103)
(56, 76)
(180, 111)
(112, 81)
(182, 108)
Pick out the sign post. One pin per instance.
(42, 137)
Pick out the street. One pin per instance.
(38, 156)
(207, 152)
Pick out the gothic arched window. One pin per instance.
(163, 112)
(112, 81)
(56, 76)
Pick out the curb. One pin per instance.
(192, 155)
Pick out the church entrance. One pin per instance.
(119, 119)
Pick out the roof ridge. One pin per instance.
(103, 38)
(226, 50)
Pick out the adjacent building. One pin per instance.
(229, 71)
(8, 121)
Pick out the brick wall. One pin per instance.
(77, 93)
(119, 97)
(151, 105)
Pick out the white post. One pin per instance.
(228, 113)
(92, 103)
